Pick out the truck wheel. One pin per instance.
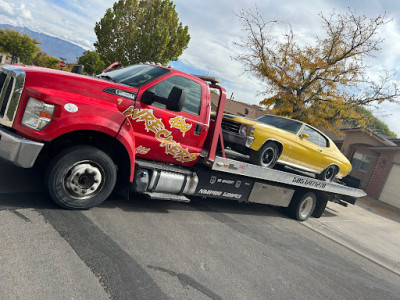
(328, 174)
(266, 156)
(81, 177)
(302, 206)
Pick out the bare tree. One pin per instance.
(321, 83)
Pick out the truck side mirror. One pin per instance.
(148, 96)
(176, 98)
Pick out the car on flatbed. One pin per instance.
(271, 140)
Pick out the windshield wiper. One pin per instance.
(107, 77)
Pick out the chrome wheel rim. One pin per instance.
(306, 207)
(330, 172)
(84, 180)
(268, 156)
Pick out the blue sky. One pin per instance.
(215, 30)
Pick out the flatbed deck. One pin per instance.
(291, 179)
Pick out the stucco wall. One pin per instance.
(357, 137)
(396, 158)
(238, 108)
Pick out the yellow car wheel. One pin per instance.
(328, 174)
(266, 156)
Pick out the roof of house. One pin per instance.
(239, 108)
(381, 138)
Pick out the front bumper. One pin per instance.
(237, 142)
(18, 150)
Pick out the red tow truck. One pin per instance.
(143, 129)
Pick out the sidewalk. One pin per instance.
(371, 228)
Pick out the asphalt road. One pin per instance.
(143, 249)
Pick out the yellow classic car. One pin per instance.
(271, 139)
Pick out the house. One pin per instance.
(376, 163)
(238, 108)
(5, 59)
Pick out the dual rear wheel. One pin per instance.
(302, 206)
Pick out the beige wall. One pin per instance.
(238, 108)
(357, 138)
(396, 159)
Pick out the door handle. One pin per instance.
(197, 129)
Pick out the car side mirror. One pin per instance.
(176, 98)
(304, 136)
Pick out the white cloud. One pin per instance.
(24, 13)
(6, 8)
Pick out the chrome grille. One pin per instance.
(12, 81)
(229, 125)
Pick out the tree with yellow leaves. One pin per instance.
(321, 84)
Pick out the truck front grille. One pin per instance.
(12, 81)
(229, 125)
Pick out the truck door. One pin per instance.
(170, 136)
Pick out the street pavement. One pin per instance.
(205, 249)
(370, 228)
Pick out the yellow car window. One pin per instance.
(315, 137)
(289, 125)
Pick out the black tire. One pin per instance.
(80, 177)
(302, 206)
(266, 156)
(328, 174)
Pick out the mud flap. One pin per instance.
(322, 200)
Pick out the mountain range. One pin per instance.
(51, 45)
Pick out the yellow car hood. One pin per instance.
(240, 119)
(253, 123)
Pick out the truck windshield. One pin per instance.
(289, 125)
(135, 76)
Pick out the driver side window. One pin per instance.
(193, 93)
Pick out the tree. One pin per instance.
(18, 46)
(141, 30)
(322, 83)
(367, 119)
(44, 60)
(92, 62)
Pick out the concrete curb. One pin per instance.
(353, 245)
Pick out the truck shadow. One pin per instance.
(139, 203)
(23, 188)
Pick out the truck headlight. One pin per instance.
(243, 130)
(37, 114)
